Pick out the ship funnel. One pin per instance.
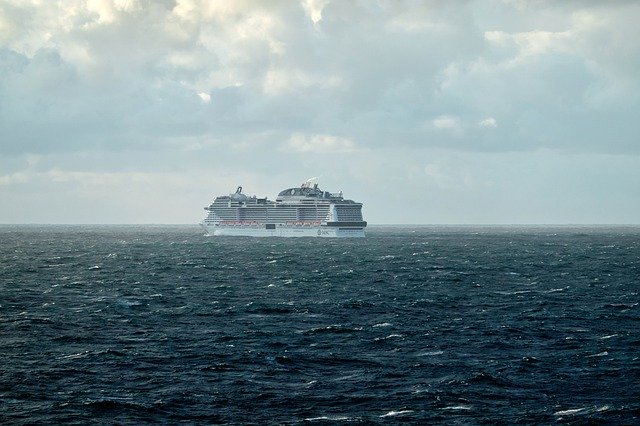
(308, 182)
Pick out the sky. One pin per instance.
(428, 112)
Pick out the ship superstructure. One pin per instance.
(305, 211)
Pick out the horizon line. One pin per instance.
(368, 225)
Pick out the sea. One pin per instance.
(412, 324)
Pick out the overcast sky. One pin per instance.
(429, 112)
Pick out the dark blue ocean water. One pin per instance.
(112, 324)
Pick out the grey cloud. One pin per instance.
(418, 97)
(368, 71)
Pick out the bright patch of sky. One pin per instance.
(140, 111)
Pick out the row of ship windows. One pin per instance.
(349, 216)
(343, 214)
(258, 208)
(301, 213)
(292, 217)
(271, 213)
(288, 209)
(286, 214)
(312, 212)
(349, 213)
(277, 206)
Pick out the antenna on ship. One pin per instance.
(239, 190)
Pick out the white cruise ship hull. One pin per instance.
(283, 231)
(306, 211)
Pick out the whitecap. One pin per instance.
(347, 377)
(509, 293)
(382, 324)
(327, 418)
(458, 407)
(605, 353)
(569, 412)
(396, 413)
(391, 336)
(554, 290)
(131, 303)
(431, 353)
(76, 355)
(608, 337)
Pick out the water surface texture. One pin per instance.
(102, 324)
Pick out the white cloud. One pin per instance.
(206, 98)
(532, 43)
(446, 122)
(488, 122)
(13, 178)
(323, 144)
(313, 8)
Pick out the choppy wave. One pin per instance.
(162, 325)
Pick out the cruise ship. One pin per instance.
(304, 211)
